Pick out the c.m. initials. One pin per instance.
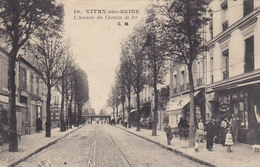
(122, 24)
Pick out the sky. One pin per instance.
(95, 41)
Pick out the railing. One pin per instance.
(225, 25)
(225, 74)
(174, 90)
(182, 87)
(199, 81)
(187, 86)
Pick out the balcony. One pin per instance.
(182, 87)
(187, 86)
(199, 81)
(225, 25)
(174, 91)
(225, 74)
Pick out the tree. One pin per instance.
(125, 76)
(18, 20)
(66, 70)
(136, 44)
(81, 91)
(120, 85)
(49, 52)
(183, 39)
(157, 61)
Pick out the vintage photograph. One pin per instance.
(129, 83)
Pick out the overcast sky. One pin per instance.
(96, 42)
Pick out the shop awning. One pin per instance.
(176, 104)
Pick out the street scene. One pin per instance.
(129, 83)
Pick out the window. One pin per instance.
(248, 6)
(31, 82)
(1, 75)
(23, 79)
(249, 54)
(211, 69)
(175, 81)
(224, 7)
(226, 64)
(37, 86)
(211, 26)
(182, 81)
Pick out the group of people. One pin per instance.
(225, 132)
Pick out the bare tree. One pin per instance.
(157, 61)
(67, 68)
(125, 76)
(49, 55)
(136, 44)
(18, 20)
(81, 91)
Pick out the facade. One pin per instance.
(178, 105)
(55, 107)
(30, 95)
(233, 65)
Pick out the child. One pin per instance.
(229, 140)
(197, 140)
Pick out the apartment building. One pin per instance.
(30, 95)
(178, 105)
(233, 64)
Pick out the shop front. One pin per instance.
(242, 103)
(178, 107)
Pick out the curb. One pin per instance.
(41, 148)
(173, 150)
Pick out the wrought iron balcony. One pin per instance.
(199, 81)
(225, 74)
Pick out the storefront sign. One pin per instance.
(224, 102)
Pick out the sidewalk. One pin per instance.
(242, 155)
(29, 145)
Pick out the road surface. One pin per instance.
(100, 145)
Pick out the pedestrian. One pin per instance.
(210, 128)
(201, 130)
(229, 140)
(223, 130)
(197, 140)
(168, 132)
(125, 122)
(235, 125)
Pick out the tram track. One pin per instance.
(95, 149)
(118, 148)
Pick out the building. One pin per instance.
(30, 94)
(55, 107)
(233, 64)
(178, 105)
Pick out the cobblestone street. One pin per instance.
(107, 146)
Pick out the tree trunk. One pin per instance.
(192, 108)
(155, 116)
(13, 143)
(129, 108)
(62, 125)
(123, 108)
(138, 128)
(79, 114)
(48, 108)
(114, 113)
